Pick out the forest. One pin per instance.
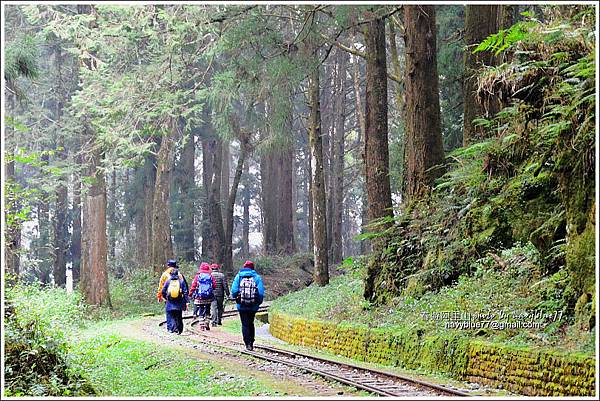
(378, 163)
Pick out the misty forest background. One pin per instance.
(413, 146)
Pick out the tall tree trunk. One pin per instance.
(365, 246)
(306, 213)
(377, 177)
(161, 244)
(143, 220)
(395, 60)
(285, 210)
(61, 225)
(268, 180)
(44, 253)
(424, 149)
(13, 231)
(184, 240)
(217, 236)
(319, 218)
(228, 254)
(246, 215)
(111, 213)
(337, 170)
(94, 272)
(207, 162)
(376, 127)
(480, 22)
(226, 162)
(76, 236)
(61, 233)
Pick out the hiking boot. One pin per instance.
(213, 324)
(249, 347)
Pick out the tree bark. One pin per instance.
(319, 222)
(226, 162)
(228, 254)
(13, 231)
(161, 244)
(44, 255)
(480, 22)
(395, 60)
(112, 219)
(376, 127)
(76, 236)
(184, 240)
(365, 245)
(61, 224)
(94, 272)
(146, 176)
(337, 170)
(284, 225)
(424, 149)
(217, 235)
(246, 213)
(207, 173)
(268, 180)
(311, 239)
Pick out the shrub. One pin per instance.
(37, 323)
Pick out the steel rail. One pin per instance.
(369, 384)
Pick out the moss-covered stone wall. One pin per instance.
(520, 370)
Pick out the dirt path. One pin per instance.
(281, 378)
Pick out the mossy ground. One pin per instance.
(119, 365)
(489, 290)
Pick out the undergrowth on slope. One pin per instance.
(37, 321)
(506, 288)
(530, 182)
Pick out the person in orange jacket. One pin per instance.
(171, 264)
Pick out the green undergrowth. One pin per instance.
(119, 366)
(514, 214)
(508, 295)
(37, 321)
(134, 294)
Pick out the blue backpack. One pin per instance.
(205, 286)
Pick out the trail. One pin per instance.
(281, 378)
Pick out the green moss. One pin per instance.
(521, 369)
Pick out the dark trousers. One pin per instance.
(201, 310)
(247, 318)
(216, 310)
(175, 321)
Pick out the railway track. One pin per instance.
(226, 314)
(372, 380)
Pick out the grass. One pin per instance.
(490, 289)
(119, 366)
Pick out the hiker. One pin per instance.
(175, 293)
(171, 264)
(202, 291)
(248, 291)
(222, 289)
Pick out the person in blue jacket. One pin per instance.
(248, 291)
(175, 305)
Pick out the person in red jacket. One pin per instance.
(202, 290)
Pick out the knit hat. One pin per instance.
(214, 266)
(249, 264)
(204, 267)
(172, 263)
